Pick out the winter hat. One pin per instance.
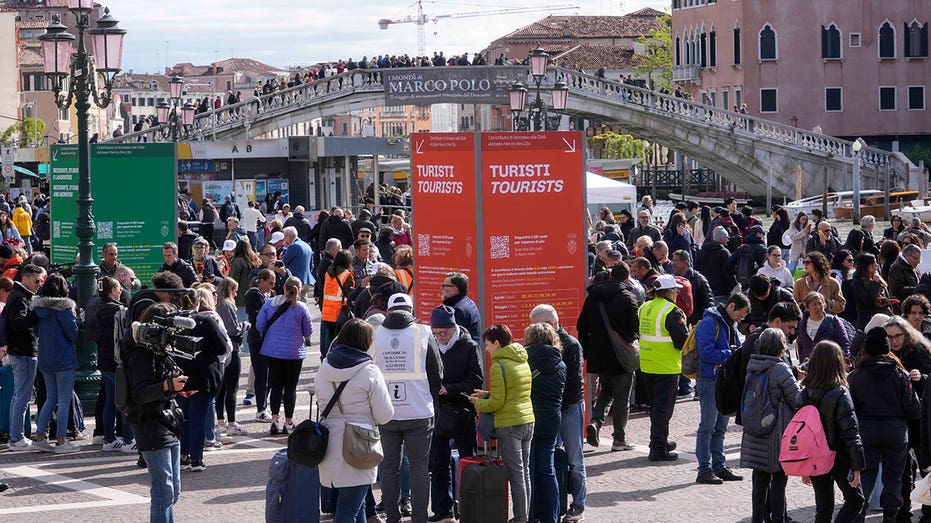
(6, 251)
(719, 233)
(756, 229)
(443, 317)
(876, 342)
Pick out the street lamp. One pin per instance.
(77, 70)
(517, 95)
(857, 147)
(176, 124)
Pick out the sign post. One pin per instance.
(7, 158)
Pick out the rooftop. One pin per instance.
(631, 25)
(591, 57)
(228, 66)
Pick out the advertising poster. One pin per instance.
(217, 190)
(245, 192)
(458, 85)
(443, 174)
(526, 262)
(139, 226)
(277, 185)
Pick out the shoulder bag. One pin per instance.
(627, 354)
(307, 442)
(260, 335)
(361, 445)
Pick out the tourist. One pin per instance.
(818, 278)
(817, 325)
(775, 267)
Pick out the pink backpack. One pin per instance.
(804, 450)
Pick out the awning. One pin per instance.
(25, 171)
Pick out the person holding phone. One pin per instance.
(869, 291)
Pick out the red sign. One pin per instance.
(533, 201)
(444, 196)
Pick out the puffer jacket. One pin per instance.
(23, 221)
(548, 376)
(882, 390)
(713, 349)
(285, 338)
(835, 408)
(509, 394)
(365, 400)
(762, 453)
(712, 262)
(57, 330)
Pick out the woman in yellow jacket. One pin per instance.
(509, 400)
(23, 223)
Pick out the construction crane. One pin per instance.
(422, 19)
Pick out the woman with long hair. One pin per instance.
(337, 283)
(700, 230)
(678, 236)
(799, 233)
(842, 265)
(889, 252)
(777, 231)
(898, 226)
(626, 221)
(884, 401)
(260, 292)
(227, 291)
(286, 322)
(825, 385)
(867, 291)
(57, 329)
(818, 279)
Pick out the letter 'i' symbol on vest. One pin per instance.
(397, 392)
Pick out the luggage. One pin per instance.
(483, 490)
(327, 500)
(561, 464)
(454, 467)
(292, 492)
(6, 397)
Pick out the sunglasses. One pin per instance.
(807, 262)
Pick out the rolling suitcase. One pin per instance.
(292, 493)
(561, 464)
(483, 490)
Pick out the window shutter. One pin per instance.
(924, 40)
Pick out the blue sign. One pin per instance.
(195, 166)
(279, 186)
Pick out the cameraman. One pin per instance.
(156, 420)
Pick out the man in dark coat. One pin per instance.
(643, 228)
(702, 297)
(620, 304)
(454, 292)
(903, 274)
(299, 222)
(363, 222)
(186, 239)
(712, 262)
(764, 293)
(336, 227)
(860, 241)
(176, 265)
(824, 241)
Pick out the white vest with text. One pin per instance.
(401, 354)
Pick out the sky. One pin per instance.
(298, 32)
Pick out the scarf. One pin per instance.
(448, 345)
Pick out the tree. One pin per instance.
(30, 131)
(656, 60)
(615, 145)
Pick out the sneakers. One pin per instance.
(620, 444)
(66, 447)
(574, 514)
(212, 445)
(186, 463)
(441, 518)
(249, 399)
(288, 428)
(264, 415)
(44, 445)
(141, 462)
(685, 396)
(591, 433)
(406, 509)
(22, 444)
(224, 440)
(235, 430)
(708, 478)
(274, 430)
(727, 474)
(113, 446)
(78, 435)
(197, 466)
(129, 448)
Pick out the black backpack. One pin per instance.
(729, 384)
(746, 266)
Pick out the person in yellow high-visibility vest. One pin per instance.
(663, 331)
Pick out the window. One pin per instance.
(887, 98)
(916, 98)
(736, 46)
(678, 52)
(833, 99)
(886, 41)
(713, 98)
(916, 40)
(767, 43)
(830, 42)
(854, 39)
(713, 49)
(768, 101)
(724, 99)
(703, 55)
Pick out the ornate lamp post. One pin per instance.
(538, 113)
(177, 125)
(77, 70)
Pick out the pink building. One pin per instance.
(854, 68)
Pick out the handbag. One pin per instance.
(362, 446)
(308, 441)
(486, 420)
(627, 354)
(452, 420)
(922, 490)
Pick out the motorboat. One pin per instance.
(713, 198)
(916, 209)
(875, 205)
(834, 200)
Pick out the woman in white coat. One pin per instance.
(799, 234)
(364, 401)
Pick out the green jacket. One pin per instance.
(510, 393)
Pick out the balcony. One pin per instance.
(687, 73)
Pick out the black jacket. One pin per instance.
(572, 357)
(19, 322)
(254, 300)
(759, 309)
(902, 279)
(839, 420)
(864, 294)
(467, 314)
(184, 271)
(205, 372)
(335, 227)
(860, 242)
(881, 390)
(712, 262)
(325, 261)
(462, 370)
(401, 320)
(100, 329)
(302, 225)
(918, 358)
(621, 305)
(774, 235)
(186, 243)
(154, 427)
(548, 383)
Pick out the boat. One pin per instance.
(834, 199)
(875, 205)
(713, 198)
(916, 209)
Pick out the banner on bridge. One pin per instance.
(457, 85)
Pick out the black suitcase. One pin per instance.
(483, 491)
(561, 464)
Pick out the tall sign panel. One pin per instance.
(134, 189)
(444, 193)
(533, 200)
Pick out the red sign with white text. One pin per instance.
(533, 201)
(444, 196)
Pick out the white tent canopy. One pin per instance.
(605, 191)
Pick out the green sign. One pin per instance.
(134, 189)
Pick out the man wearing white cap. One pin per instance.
(409, 358)
(663, 331)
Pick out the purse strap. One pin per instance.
(333, 400)
(278, 313)
(604, 318)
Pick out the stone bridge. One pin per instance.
(751, 152)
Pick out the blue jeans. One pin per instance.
(709, 441)
(193, 428)
(544, 493)
(165, 475)
(253, 240)
(59, 386)
(326, 337)
(350, 505)
(242, 315)
(24, 377)
(570, 437)
(210, 421)
(109, 409)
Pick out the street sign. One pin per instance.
(7, 170)
(7, 156)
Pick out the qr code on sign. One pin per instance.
(500, 247)
(423, 245)
(104, 230)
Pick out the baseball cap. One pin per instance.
(400, 300)
(277, 236)
(665, 281)
(229, 245)
(201, 239)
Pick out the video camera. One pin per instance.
(171, 334)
